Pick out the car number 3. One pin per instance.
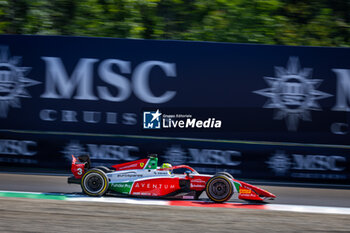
(80, 171)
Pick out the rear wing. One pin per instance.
(80, 165)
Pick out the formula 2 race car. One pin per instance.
(143, 178)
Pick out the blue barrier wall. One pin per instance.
(283, 110)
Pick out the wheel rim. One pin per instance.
(219, 189)
(94, 183)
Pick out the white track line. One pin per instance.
(309, 209)
(273, 207)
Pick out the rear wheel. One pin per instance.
(94, 182)
(219, 188)
(104, 169)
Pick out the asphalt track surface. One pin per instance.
(33, 215)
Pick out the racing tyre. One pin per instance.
(104, 169)
(225, 174)
(94, 183)
(219, 188)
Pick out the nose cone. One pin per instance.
(261, 192)
(272, 195)
(265, 193)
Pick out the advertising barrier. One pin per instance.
(257, 111)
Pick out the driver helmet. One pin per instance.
(166, 165)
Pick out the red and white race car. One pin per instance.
(143, 178)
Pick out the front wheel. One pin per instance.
(225, 174)
(94, 183)
(219, 188)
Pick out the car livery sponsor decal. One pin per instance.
(123, 187)
(245, 191)
(131, 165)
(198, 183)
(155, 186)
